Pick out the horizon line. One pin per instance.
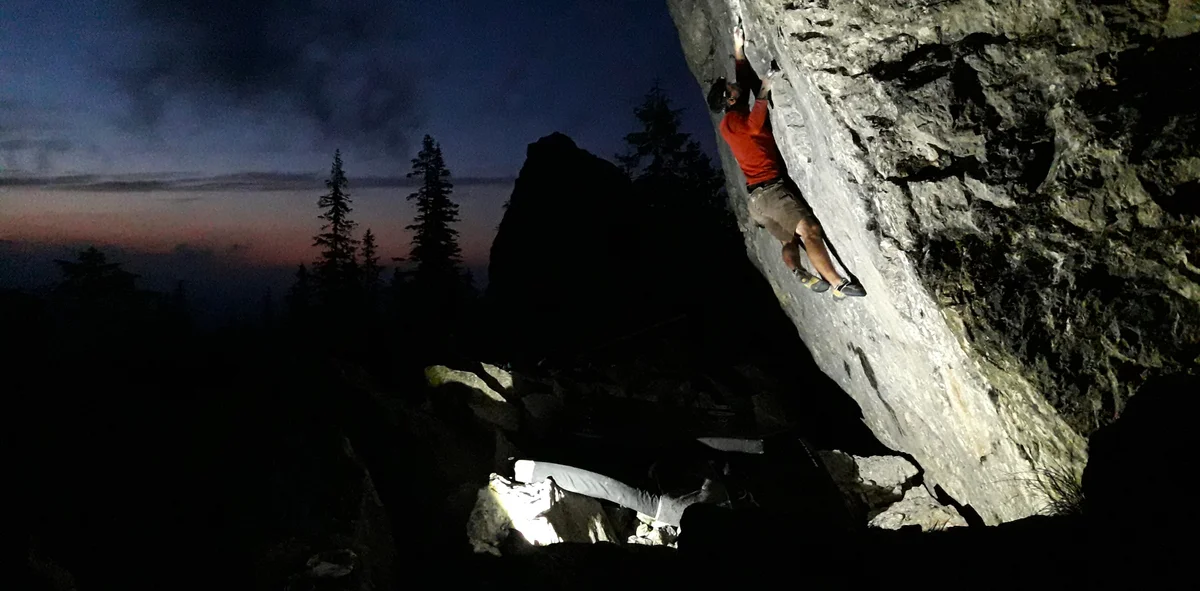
(192, 182)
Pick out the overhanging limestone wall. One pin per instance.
(1025, 248)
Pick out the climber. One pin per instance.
(688, 475)
(667, 508)
(775, 200)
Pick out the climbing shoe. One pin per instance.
(848, 288)
(810, 281)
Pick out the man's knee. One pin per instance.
(810, 230)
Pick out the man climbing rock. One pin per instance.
(775, 201)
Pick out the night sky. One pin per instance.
(216, 86)
(151, 98)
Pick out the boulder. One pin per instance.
(438, 375)
(870, 484)
(484, 401)
(651, 532)
(564, 268)
(1015, 184)
(541, 512)
(918, 508)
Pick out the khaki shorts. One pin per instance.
(780, 208)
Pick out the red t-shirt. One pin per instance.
(749, 136)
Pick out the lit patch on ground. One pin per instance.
(541, 512)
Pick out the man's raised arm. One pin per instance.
(746, 78)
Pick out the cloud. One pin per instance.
(25, 154)
(28, 142)
(18, 115)
(55, 144)
(119, 186)
(246, 181)
(338, 65)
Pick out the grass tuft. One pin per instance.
(1062, 489)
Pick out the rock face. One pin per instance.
(1016, 185)
(871, 484)
(564, 262)
(887, 493)
(484, 401)
(920, 509)
(651, 532)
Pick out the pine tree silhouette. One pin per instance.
(667, 163)
(400, 276)
(93, 277)
(336, 269)
(370, 270)
(435, 251)
(299, 297)
(101, 302)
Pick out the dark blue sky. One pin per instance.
(144, 93)
(218, 86)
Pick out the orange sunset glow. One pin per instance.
(251, 228)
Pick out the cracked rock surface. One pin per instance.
(870, 484)
(918, 508)
(1015, 182)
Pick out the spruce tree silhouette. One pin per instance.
(437, 279)
(100, 305)
(95, 291)
(92, 277)
(400, 283)
(336, 269)
(667, 166)
(370, 271)
(687, 232)
(299, 297)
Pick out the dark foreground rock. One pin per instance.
(1122, 531)
(250, 480)
(373, 505)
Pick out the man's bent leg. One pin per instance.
(791, 253)
(791, 259)
(782, 204)
(810, 231)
